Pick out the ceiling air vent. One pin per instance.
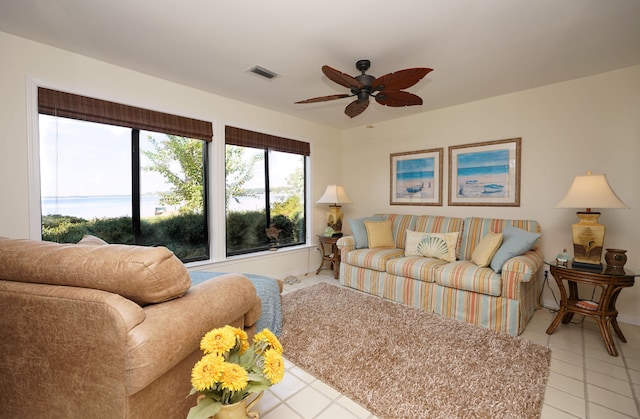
(263, 72)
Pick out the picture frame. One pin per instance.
(416, 177)
(485, 173)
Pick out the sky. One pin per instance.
(79, 158)
(415, 165)
(89, 159)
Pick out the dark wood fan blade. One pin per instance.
(397, 98)
(400, 79)
(341, 78)
(324, 98)
(356, 107)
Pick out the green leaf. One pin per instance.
(257, 386)
(206, 408)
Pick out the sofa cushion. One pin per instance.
(92, 241)
(359, 230)
(515, 242)
(486, 248)
(434, 245)
(375, 259)
(144, 275)
(415, 267)
(468, 276)
(379, 234)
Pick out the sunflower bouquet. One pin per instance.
(231, 369)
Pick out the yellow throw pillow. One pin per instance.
(380, 234)
(486, 248)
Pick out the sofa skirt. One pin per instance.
(496, 313)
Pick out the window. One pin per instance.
(265, 191)
(103, 173)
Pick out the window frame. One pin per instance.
(267, 199)
(70, 106)
(216, 188)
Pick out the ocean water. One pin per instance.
(483, 170)
(89, 207)
(415, 175)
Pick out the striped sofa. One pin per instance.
(461, 290)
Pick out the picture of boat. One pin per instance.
(492, 188)
(415, 188)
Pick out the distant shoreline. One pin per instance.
(100, 206)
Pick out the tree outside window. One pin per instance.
(123, 185)
(265, 199)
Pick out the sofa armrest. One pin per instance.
(346, 244)
(520, 269)
(173, 329)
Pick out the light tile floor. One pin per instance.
(584, 380)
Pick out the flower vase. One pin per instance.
(240, 410)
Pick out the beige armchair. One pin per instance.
(106, 331)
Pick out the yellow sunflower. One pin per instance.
(241, 335)
(273, 366)
(207, 372)
(218, 341)
(269, 338)
(234, 377)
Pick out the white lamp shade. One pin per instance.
(334, 194)
(591, 191)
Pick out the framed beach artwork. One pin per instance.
(485, 174)
(416, 177)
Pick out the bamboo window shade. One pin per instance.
(246, 138)
(68, 105)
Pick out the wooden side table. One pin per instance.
(610, 281)
(333, 256)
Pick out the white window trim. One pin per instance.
(33, 151)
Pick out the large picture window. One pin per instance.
(265, 191)
(126, 175)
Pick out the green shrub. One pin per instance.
(242, 229)
(63, 228)
(113, 230)
(183, 234)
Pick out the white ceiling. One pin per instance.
(477, 48)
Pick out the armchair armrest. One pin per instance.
(172, 330)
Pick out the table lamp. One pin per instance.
(590, 191)
(334, 195)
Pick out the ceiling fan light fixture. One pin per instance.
(263, 72)
(387, 90)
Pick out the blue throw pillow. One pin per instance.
(359, 230)
(515, 241)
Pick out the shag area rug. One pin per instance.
(401, 362)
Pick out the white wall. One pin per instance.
(567, 128)
(26, 63)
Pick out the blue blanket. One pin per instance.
(269, 293)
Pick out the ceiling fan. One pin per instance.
(386, 90)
